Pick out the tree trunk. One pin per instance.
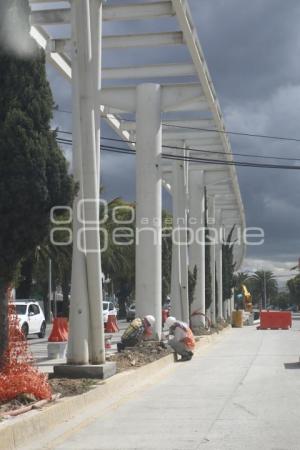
(25, 287)
(3, 322)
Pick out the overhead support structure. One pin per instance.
(189, 90)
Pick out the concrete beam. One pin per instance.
(143, 40)
(174, 97)
(51, 17)
(167, 125)
(110, 13)
(136, 11)
(192, 143)
(163, 70)
(127, 41)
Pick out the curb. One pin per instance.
(36, 422)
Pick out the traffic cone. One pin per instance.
(111, 325)
(59, 331)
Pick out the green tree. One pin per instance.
(118, 257)
(228, 266)
(241, 278)
(282, 300)
(259, 281)
(33, 170)
(294, 289)
(208, 279)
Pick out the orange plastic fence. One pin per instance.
(59, 331)
(275, 320)
(18, 376)
(111, 325)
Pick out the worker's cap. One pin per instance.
(150, 320)
(170, 321)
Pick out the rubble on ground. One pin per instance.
(133, 357)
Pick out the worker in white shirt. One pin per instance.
(182, 341)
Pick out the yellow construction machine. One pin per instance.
(247, 299)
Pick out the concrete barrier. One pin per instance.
(275, 320)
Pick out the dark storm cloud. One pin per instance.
(271, 197)
(251, 46)
(251, 49)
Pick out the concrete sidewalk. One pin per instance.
(242, 393)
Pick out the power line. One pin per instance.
(244, 155)
(115, 149)
(236, 133)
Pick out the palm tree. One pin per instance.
(240, 278)
(264, 286)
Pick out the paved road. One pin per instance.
(242, 393)
(39, 351)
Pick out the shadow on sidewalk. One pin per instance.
(293, 365)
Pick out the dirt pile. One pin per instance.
(140, 355)
(68, 387)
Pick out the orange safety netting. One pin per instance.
(18, 376)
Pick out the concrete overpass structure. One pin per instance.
(153, 87)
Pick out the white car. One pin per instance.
(31, 317)
(108, 310)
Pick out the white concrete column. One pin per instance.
(179, 278)
(149, 203)
(83, 64)
(78, 342)
(96, 20)
(219, 265)
(211, 222)
(197, 246)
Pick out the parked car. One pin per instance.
(31, 318)
(130, 313)
(108, 310)
(292, 308)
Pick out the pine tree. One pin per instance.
(208, 279)
(228, 266)
(33, 170)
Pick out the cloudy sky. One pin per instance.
(252, 50)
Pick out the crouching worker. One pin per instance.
(183, 341)
(136, 331)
